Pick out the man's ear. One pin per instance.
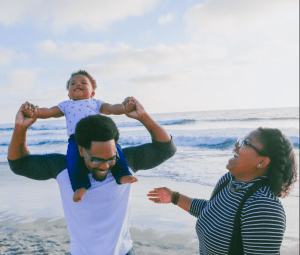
(80, 150)
(69, 96)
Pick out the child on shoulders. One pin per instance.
(81, 87)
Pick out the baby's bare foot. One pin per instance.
(128, 179)
(78, 194)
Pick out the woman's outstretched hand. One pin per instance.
(161, 195)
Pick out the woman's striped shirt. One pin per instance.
(262, 219)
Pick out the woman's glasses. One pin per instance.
(242, 141)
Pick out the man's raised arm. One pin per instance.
(157, 132)
(17, 147)
(150, 155)
(38, 167)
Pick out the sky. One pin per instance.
(172, 55)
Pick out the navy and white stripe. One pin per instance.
(262, 219)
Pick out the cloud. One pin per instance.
(6, 55)
(22, 85)
(165, 19)
(76, 51)
(22, 79)
(259, 38)
(156, 60)
(88, 14)
(221, 21)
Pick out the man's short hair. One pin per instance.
(95, 128)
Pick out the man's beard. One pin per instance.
(97, 177)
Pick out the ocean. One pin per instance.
(205, 141)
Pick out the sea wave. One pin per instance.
(205, 142)
(194, 141)
(37, 128)
(7, 129)
(120, 124)
(48, 127)
(249, 119)
(162, 122)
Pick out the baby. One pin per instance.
(81, 87)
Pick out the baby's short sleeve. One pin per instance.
(62, 106)
(98, 103)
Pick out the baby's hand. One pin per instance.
(28, 110)
(131, 106)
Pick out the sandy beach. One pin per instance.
(155, 228)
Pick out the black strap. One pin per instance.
(236, 244)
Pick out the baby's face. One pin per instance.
(80, 88)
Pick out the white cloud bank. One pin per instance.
(61, 14)
(76, 51)
(165, 19)
(241, 54)
(6, 55)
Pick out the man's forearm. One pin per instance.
(17, 147)
(157, 132)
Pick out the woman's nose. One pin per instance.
(236, 145)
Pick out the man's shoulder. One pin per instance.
(39, 167)
(149, 155)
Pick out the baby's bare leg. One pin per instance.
(128, 179)
(78, 194)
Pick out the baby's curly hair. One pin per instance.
(85, 73)
(282, 170)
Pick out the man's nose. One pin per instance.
(104, 166)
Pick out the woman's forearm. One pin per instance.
(165, 196)
(184, 202)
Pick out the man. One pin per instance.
(100, 223)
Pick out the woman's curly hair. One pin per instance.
(282, 170)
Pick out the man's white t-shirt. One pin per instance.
(99, 224)
(76, 110)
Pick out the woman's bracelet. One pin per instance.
(175, 197)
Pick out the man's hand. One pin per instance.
(133, 108)
(26, 109)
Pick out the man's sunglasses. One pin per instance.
(101, 161)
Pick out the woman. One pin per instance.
(263, 160)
